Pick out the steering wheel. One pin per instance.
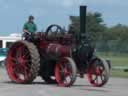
(54, 30)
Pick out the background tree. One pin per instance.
(107, 39)
(95, 25)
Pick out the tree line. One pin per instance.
(104, 38)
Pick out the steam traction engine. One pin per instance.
(57, 57)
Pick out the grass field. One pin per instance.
(117, 60)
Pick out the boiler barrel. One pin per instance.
(58, 50)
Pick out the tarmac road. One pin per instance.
(115, 87)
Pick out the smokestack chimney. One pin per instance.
(83, 12)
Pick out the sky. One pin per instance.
(14, 13)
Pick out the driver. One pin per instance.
(30, 27)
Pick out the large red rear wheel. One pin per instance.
(65, 72)
(98, 72)
(22, 62)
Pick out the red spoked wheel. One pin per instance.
(98, 72)
(65, 72)
(22, 62)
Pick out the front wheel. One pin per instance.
(65, 72)
(98, 72)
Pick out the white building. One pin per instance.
(6, 41)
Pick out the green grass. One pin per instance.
(119, 73)
(116, 60)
